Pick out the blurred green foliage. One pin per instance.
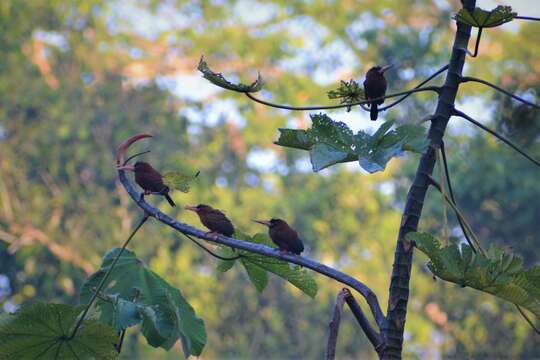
(78, 77)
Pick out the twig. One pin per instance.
(527, 18)
(339, 276)
(120, 341)
(497, 135)
(478, 36)
(451, 191)
(327, 107)
(432, 76)
(444, 204)
(373, 336)
(465, 79)
(106, 276)
(333, 327)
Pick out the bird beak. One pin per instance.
(191, 208)
(126, 167)
(267, 223)
(384, 68)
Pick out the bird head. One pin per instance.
(379, 69)
(271, 223)
(201, 208)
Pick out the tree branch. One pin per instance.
(373, 336)
(333, 327)
(322, 269)
(465, 79)
(341, 106)
(497, 135)
(432, 76)
(478, 36)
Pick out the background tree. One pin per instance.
(77, 78)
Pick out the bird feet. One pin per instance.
(212, 234)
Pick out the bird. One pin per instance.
(149, 179)
(284, 236)
(375, 87)
(213, 219)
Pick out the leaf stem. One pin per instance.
(465, 79)
(102, 283)
(527, 18)
(327, 107)
(497, 135)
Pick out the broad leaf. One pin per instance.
(43, 330)
(219, 80)
(226, 252)
(482, 18)
(179, 181)
(331, 142)
(161, 309)
(257, 266)
(499, 273)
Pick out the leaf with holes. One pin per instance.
(161, 309)
(43, 331)
(481, 18)
(498, 273)
(179, 181)
(219, 80)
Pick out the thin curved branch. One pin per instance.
(135, 155)
(465, 79)
(333, 327)
(497, 135)
(431, 77)
(527, 18)
(478, 36)
(341, 106)
(339, 276)
(531, 323)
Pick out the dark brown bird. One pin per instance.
(149, 179)
(375, 87)
(213, 219)
(284, 236)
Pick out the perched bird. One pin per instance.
(284, 236)
(213, 219)
(375, 87)
(149, 179)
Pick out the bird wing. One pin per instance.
(215, 220)
(150, 180)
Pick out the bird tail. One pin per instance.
(169, 199)
(374, 111)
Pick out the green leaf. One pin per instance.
(498, 273)
(330, 142)
(481, 18)
(219, 80)
(297, 276)
(164, 313)
(42, 331)
(257, 275)
(179, 181)
(348, 92)
(227, 252)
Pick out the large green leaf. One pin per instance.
(330, 142)
(178, 180)
(483, 18)
(498, 273)
(257, 266)
(43, 330)
(141, 296)
(219, 80)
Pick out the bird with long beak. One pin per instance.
(284, 236)
(213, 219)
(375, 87)
(149, 179)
